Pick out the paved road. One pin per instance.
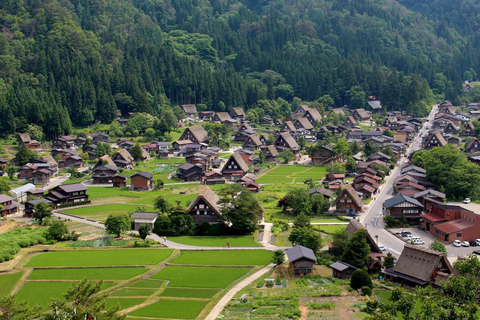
(373, 218)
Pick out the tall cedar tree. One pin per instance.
(357, 249)
(240, 208)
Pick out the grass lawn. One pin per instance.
(119, 207)
(123, 257)
(133, 292)
(225, 258)
(189, 293)
(42, 293)
(220, 241)
(8, 282)
(200, 277)
(383, 295)
(123, 302)
(331, 228)
(148, 283)
(176, 309)
(90, 274)
(289, 174)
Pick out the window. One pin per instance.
(459, 234)
(349, 200)
(201, 206)
(205, 212)
(342, 200)
(198, 212)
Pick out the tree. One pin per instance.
(437, 246)
(369, 148)
(41, 211)
(82, 301)
(24, 155)
(278, 257)
(341, 148)
(160, 203)
(310, 183)
(389, 261)
(181, 224)
(287, 155)
(240, 208)
(143, 230)
(307, 237)
(35, 132)
(159, 184)
(355, 148)
(360, 278)
(11, 309)
(302, 142)
(57, 230)
(339, 242)
(351, 164)
(357, 249)
(162, 226)
(117, 223)
(136, 152)
(337, 167)
(11, 170)
(4, 187)
(299, 200)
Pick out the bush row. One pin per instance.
(11, 241)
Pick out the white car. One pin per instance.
(383, 248)
(457, 243)
(467, 200)
(465, 244)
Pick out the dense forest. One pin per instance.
(67, 63)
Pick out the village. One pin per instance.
(318, 197)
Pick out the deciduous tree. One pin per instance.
(117, 223)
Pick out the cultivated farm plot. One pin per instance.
(88, 273)
(201, 293)
(291, 174)
(176, 309)
(124, 303)
(225, 258)
(200, 277)
(97, 258)
(217, 241)
(8, 282)
(133, 292)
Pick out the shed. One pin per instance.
(21, 192)
(342, 270)
(301, 260)
(144, 217)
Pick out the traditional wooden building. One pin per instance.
(30, 206)
(428, 197)
(237, 113)
(104, 174)
(190, 171)
(342, 270)
(271, 153)
(144, 217)
(7, 205)
(252, 143)
(419, 266)
(303, 123)
(67, 193)
(349, 122)
(469, 129)
(190, 110)
(402, 204)
(360, 114)
(142, 181)
(288, 126)
(196, 134)
(123, 159)
(204, 207)
(348, 201)
(285, 141)
(313, 116)
(100, 137)
(119, 181)
(301, 261)
(472, 146)
(235, 167)
(435, 139)
(221, 117)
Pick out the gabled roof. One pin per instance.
(288, 139)
(199, 133)
(430, 191)
(254, 139)
(313, 112)
(362, 113)
(439, 137)
(209, 197)
(223, 116)
(353, 195)
(289, 125)
(189, 108)
(399, 198)
(239, 160)
(298, 252)
(321, 190)
(125, 155)
(24, 137)
(304, 123)
(375, 104)
(341, 266)
(413, 168)
(410, 184)
(145, 215)
(144, 174)
(420, 263)
(5, 198)
(337, 111)
(273, 151)
(238, 111)
(72, 187)
(471, 142)
(301, 108)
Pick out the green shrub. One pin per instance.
(260, 284)
(367, 291)
(360, 278)
(321, 305)
(269, 284)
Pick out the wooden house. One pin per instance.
(65, 142)
(237, 113)
(469, 129)
(23, 138)
(419, 266)
(221, 117)
(271, 153)
(428, 197)
(252, 143)
(288, 126)
(360, 114)
(313, 116)
(349, 122)
(301, 109)
(25, 172)
(348, 201)
(342, 270)
(285, 141)
(190, 110)
(324, 155)
(67, 193)
(204, 207)
(144, 217)
(71, 162)
(303, 123)
(301, 261)
(7, 205)
(435, 139)
(123, 159)
(338, 111)
(100, 137)
(141, 181)
(41, 177)
(30, 206)
(206, 115)
(235, 167)
(196, 134)
(450, 128)
(472, 146)
(104, 174)
(190, 171)
(402, 204)
(119, 181)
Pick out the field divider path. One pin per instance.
(21, 282)
(217, 309)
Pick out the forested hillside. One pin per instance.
(70, 62)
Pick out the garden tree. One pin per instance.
(136, 152)
(117, 223)
(309, 183)
(449, 168)
(35, 132)
(41, 211)
(240, 208)
(302, 142)
(437, 246)
(287, 156)
(12, 309)
(369, 148)
(337, 167)
(57, 230)
(341, 148)
(162, 226)
(357, 249)
(354, 148)
(307, 237)
(302, 221)
(261, 157)
(319, 204)
(181, 224)
(178, 209)
(388, 151)
(102, 149)
(351, 164)
(278, 257)
(339, 242)
(382, 170)
(83, 301)
(159, 184)
(143, 230)
(360, 278)
(24, 155)
(389, 261)
(299, 200)
(161, 204)
(4, 187)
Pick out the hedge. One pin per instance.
(74, 204)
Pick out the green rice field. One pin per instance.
(8, 282)
(189, 293)
(148, 283)
(225, 258)
(124, 303)
(292, 174)
(217, 241)
(133, 292)
(94, 258)
(200, 277)
(176, 309)
(90, 274)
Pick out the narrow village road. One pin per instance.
(373, 218)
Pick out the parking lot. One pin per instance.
(429, 238)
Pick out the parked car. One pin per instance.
(408, 237)
(383, 248)
(457, 243)
(467, 200)
(473, 243)
(418, 241)
(400, 231)
(465, 244)
(352, 214)
(406, 234)
(478, 242)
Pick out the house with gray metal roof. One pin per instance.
(301, 260)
